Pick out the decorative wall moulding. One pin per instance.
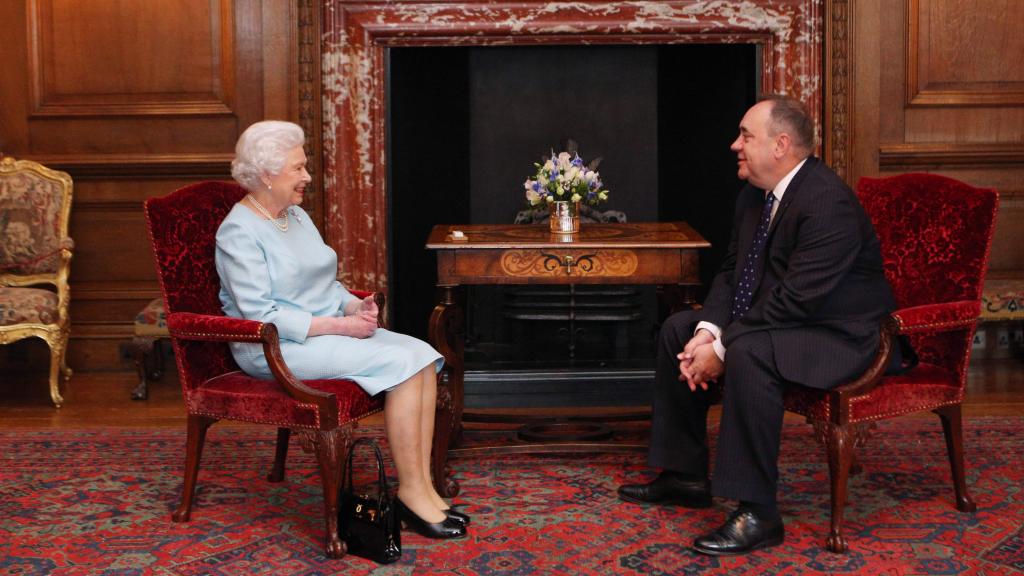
(949, 154)
(70, 107)
(140, 166)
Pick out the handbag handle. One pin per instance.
(381, 482)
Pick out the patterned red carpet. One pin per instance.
(99, 502)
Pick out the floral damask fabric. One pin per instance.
(152, 320)
(30, 208)
(1003, 300)
(933, 247)
(27, 306)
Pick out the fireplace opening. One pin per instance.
(464, 127)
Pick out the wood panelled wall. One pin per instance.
(938, 86)
(134, 99)
(137, 98)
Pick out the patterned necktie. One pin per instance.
(745, 289)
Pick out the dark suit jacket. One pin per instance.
(821, 291)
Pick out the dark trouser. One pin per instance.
(746, 464)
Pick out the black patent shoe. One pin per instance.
(445, 529)
(457, 516)
(669, 489)
(743, 532)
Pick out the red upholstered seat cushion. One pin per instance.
(925, 387)
(237, 396)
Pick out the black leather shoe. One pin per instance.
(743, 532)
(447, 528)
(459, 517)
(668, 488)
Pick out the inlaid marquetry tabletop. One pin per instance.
(635, 253)
(627, 235)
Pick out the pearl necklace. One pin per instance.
(279, 223)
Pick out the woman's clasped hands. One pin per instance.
(360, 320)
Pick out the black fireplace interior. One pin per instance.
(466, 124)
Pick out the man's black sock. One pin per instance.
(762, 510)
(683, 476)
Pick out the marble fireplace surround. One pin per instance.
(342, 79)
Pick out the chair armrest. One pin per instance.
(873, 375)
(189, 326)
(918, 319)
(937, 317)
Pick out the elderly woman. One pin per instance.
(274, 267)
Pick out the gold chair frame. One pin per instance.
(55, 335)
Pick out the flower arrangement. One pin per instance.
(564, 177)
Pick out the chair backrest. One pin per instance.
(935, 235)
(182, 229)
(35, 206)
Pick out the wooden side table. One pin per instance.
(664, 254)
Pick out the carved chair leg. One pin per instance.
(158, 360)
(141, 349)
(332, 447)
(56, 359)
(197, 426)
(952, 427)
(840, 456)
(280, 455)
(65, 370)
(443, 425)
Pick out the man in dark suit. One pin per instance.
(797, 302)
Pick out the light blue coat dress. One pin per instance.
(287, 278)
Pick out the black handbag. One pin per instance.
(367, 523)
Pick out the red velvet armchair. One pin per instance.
(182, 228)
(935, 234)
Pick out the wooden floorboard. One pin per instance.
(995, 388)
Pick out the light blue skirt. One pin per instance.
(377, 364)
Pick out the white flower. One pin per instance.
(564, 177)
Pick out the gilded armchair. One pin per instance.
(35, 259)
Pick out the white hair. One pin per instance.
(261, 149)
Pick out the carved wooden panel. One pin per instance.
(117, 58)
(964, 53)
(135, 98)
(355, 35)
